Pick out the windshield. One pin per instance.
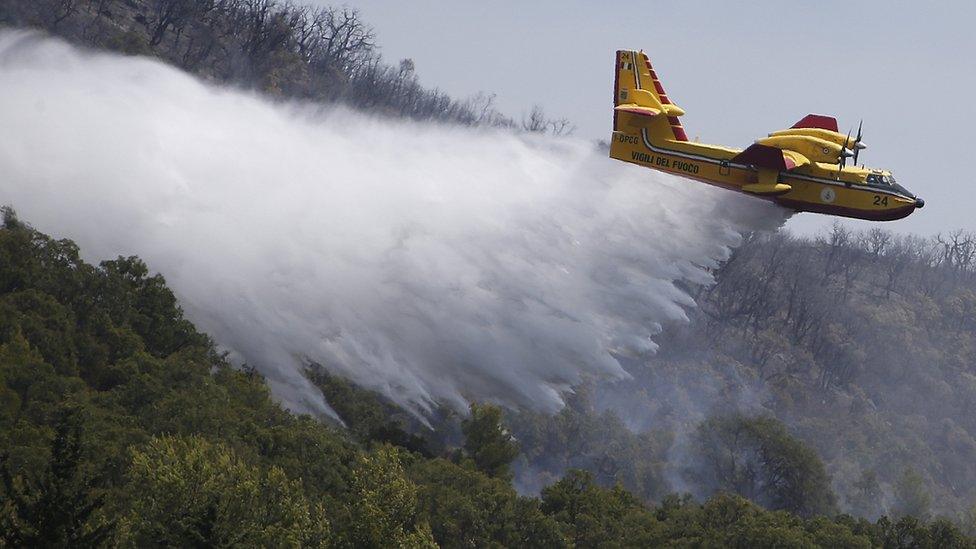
(886, 182)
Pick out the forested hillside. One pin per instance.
(121, 425)
(822, 393)
(862, 344)
(283, 49)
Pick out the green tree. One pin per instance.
(487, 442)
(911, 532)
(729, 520)
(466, 508)
(911, 497)
(186, 491)
(757, 458)
(865, 496)
(45, 323)
(385, 507)
(591, 516)
(369, 416)
(148, 306)
(60, 506)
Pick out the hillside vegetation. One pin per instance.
(121, 425)
(822, 393)
(286, 50)
(862, 344)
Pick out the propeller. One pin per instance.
(857, 141)
(842, 157)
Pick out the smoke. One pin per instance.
(435, 264)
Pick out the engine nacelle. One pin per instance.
(814, 148)
(827, 135)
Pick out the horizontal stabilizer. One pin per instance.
(638, 110)
(817, 121)
(673, 110)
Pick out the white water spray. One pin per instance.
(432, 263)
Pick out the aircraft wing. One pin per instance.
(769, 161)
(764, 156)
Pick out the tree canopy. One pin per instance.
(123, 426)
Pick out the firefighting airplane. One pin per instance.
(803, 168)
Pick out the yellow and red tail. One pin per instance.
(640, 101)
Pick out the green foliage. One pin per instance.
(592, 516)
(487, 442)
(866, 496)
(122, 425)
(187, 491)
(136, 369)
(149, 307)
(912, 532)
(757, 458)
(731, 521)
(385, 509)
(465, 508)
(45, 323)
(579, 437)
(368, 415)
(59, 507)
(911, 498)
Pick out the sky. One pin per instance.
(739, 70)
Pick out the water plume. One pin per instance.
(435, 264)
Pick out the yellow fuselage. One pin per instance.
(801, 168)
(816, 187)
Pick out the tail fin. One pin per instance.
(640, 102)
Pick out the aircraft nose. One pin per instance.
(919, 203)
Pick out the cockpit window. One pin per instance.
(886, 182)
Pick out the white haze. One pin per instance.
(436, 264)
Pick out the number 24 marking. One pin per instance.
(880, 200)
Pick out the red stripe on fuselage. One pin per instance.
(676, 128)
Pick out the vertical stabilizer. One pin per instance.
(638, 90)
